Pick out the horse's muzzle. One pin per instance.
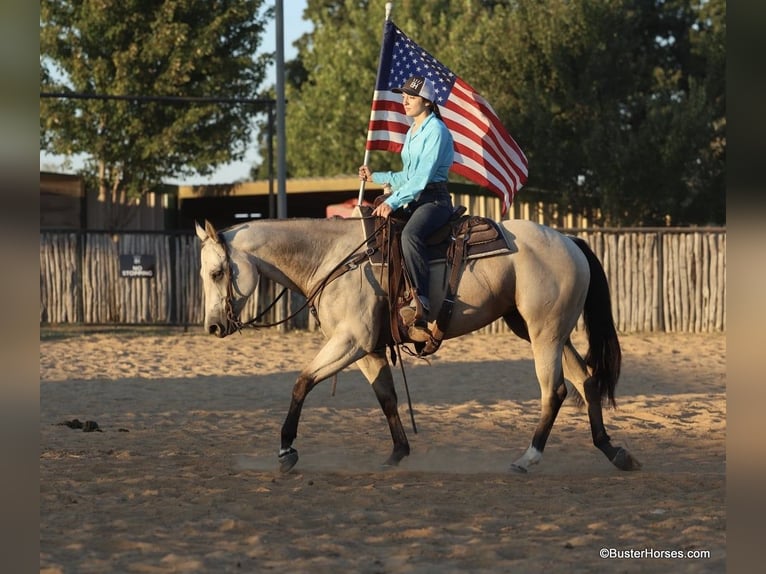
(218, 330)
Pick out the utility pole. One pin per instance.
(281, 144)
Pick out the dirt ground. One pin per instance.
(183, 476)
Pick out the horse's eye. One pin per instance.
(217, 275)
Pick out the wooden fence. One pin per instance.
(671, 280)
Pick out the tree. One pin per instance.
(195, 48)
(618, 104)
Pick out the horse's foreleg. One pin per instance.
(577, 373)
(338, 353)
(288, 456)
(553, 391)
(376, 369)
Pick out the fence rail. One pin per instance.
(664, 279)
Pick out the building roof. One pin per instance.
(345, 183)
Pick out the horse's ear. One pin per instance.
(200, 232)
(211, 232)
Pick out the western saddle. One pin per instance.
(462, 238)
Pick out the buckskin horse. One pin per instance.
(540, 286)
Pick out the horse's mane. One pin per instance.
(338, 224)
(306, 235)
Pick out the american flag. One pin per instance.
(484, 151)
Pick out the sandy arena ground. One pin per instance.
(184, 476)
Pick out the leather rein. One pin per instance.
(351, 261)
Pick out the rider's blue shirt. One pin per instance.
(426, 158)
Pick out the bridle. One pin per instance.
(351, 261)
(232, 317)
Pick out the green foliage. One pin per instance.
(618, 104)
(195, 48)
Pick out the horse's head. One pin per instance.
(229, 277)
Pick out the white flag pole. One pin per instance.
(389, 7)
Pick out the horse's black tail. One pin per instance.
(604, 355)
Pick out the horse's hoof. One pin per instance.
(625, 461)
(390, 464)
(288, 459)
(518, 468)
(393, 461)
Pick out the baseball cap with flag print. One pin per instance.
(418, 86)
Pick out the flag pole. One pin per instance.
(389, 7)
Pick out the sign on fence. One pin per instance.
(137, 266)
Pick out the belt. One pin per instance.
(435, 186)
(434, 191)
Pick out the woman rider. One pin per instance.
(421, 187)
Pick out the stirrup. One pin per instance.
(419, 332)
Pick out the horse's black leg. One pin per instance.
(288, 456)
(577, 373)
(339, 352)
(553, 391)
(619, 456)
(550, 407)
(376, 369)
(552, 395)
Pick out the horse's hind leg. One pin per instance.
(376, 369)
(553, 391)
(587, 387)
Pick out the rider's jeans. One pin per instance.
(429, 214)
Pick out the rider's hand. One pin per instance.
(364, 173)
(383, 210)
